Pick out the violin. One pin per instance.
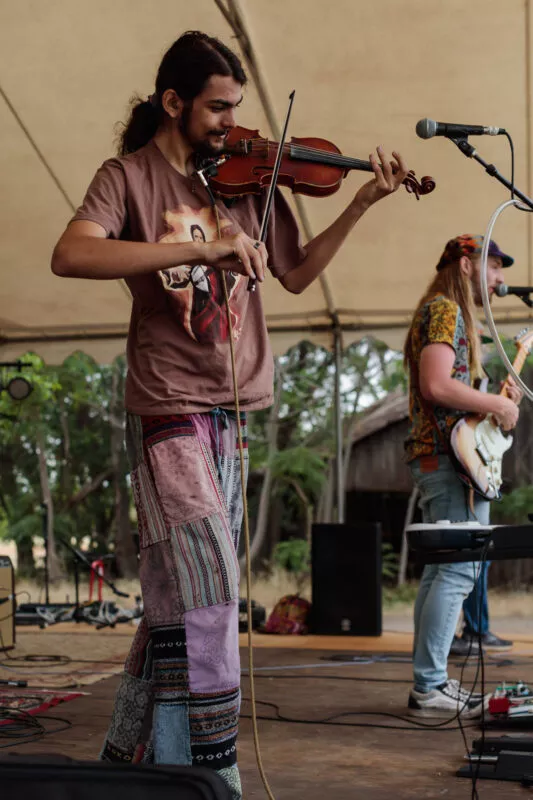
(309, 166)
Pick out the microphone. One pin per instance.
(520, 291)
(427, 128)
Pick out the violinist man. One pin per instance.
(178, 700)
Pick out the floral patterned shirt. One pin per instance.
(439, 320)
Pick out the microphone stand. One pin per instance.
(526, 299)
(470, 152)
(79, 557)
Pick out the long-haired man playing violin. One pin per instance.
(443, 358)
(178, 700)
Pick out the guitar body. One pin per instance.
(477, 446)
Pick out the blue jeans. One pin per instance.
(443, 587)
(476, 618)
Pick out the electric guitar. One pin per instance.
(478, 444)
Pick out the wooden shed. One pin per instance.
(378, 481)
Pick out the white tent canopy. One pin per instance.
(364, 74)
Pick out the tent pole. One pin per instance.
(338, 426)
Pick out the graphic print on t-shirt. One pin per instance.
(196, 292)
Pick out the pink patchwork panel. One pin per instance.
(150, 520)
(184, 483)
(213, 647)
(163, 603)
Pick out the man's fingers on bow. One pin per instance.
(243, 260)
(257, 253)
(260, 248)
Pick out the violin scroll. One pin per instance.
(416, 187)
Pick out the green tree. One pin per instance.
(64, 448)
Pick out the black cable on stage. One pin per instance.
(414, 724)
(25, 728)
(474, 773)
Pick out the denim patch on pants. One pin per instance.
(443, 587)
(172, 743)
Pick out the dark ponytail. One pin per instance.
(186, 67)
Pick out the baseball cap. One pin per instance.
(469, 245)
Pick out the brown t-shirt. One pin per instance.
(178, 349)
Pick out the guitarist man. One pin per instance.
(443, 358)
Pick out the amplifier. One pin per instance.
(7, 604)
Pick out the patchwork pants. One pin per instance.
(178, 699)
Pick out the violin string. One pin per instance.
(313, 150)
(261, 143)
(334, 158)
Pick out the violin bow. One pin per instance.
(273, 182)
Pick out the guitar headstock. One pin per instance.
(524, 340)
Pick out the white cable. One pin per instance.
(485, 293)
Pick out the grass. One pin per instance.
(397, 597)
(268, 589)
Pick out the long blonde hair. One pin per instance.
(451, 282)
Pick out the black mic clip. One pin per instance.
(464, 145)
(470, 152)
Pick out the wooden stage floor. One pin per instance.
(310, 760)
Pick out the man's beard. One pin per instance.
(478, 297)
(203, 149)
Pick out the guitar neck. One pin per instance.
(518, 363)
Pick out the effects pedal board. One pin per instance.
(508, 757)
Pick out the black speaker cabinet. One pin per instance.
(346, 579)
(50, 777)
(7, 604)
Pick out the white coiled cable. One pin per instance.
(485, 293)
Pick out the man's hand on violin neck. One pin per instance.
(389, 174)
(238, 253)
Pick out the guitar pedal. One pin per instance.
(511, 700)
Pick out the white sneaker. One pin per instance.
(465, 693)
(447, 700)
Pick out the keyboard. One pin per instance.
(445, 542)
